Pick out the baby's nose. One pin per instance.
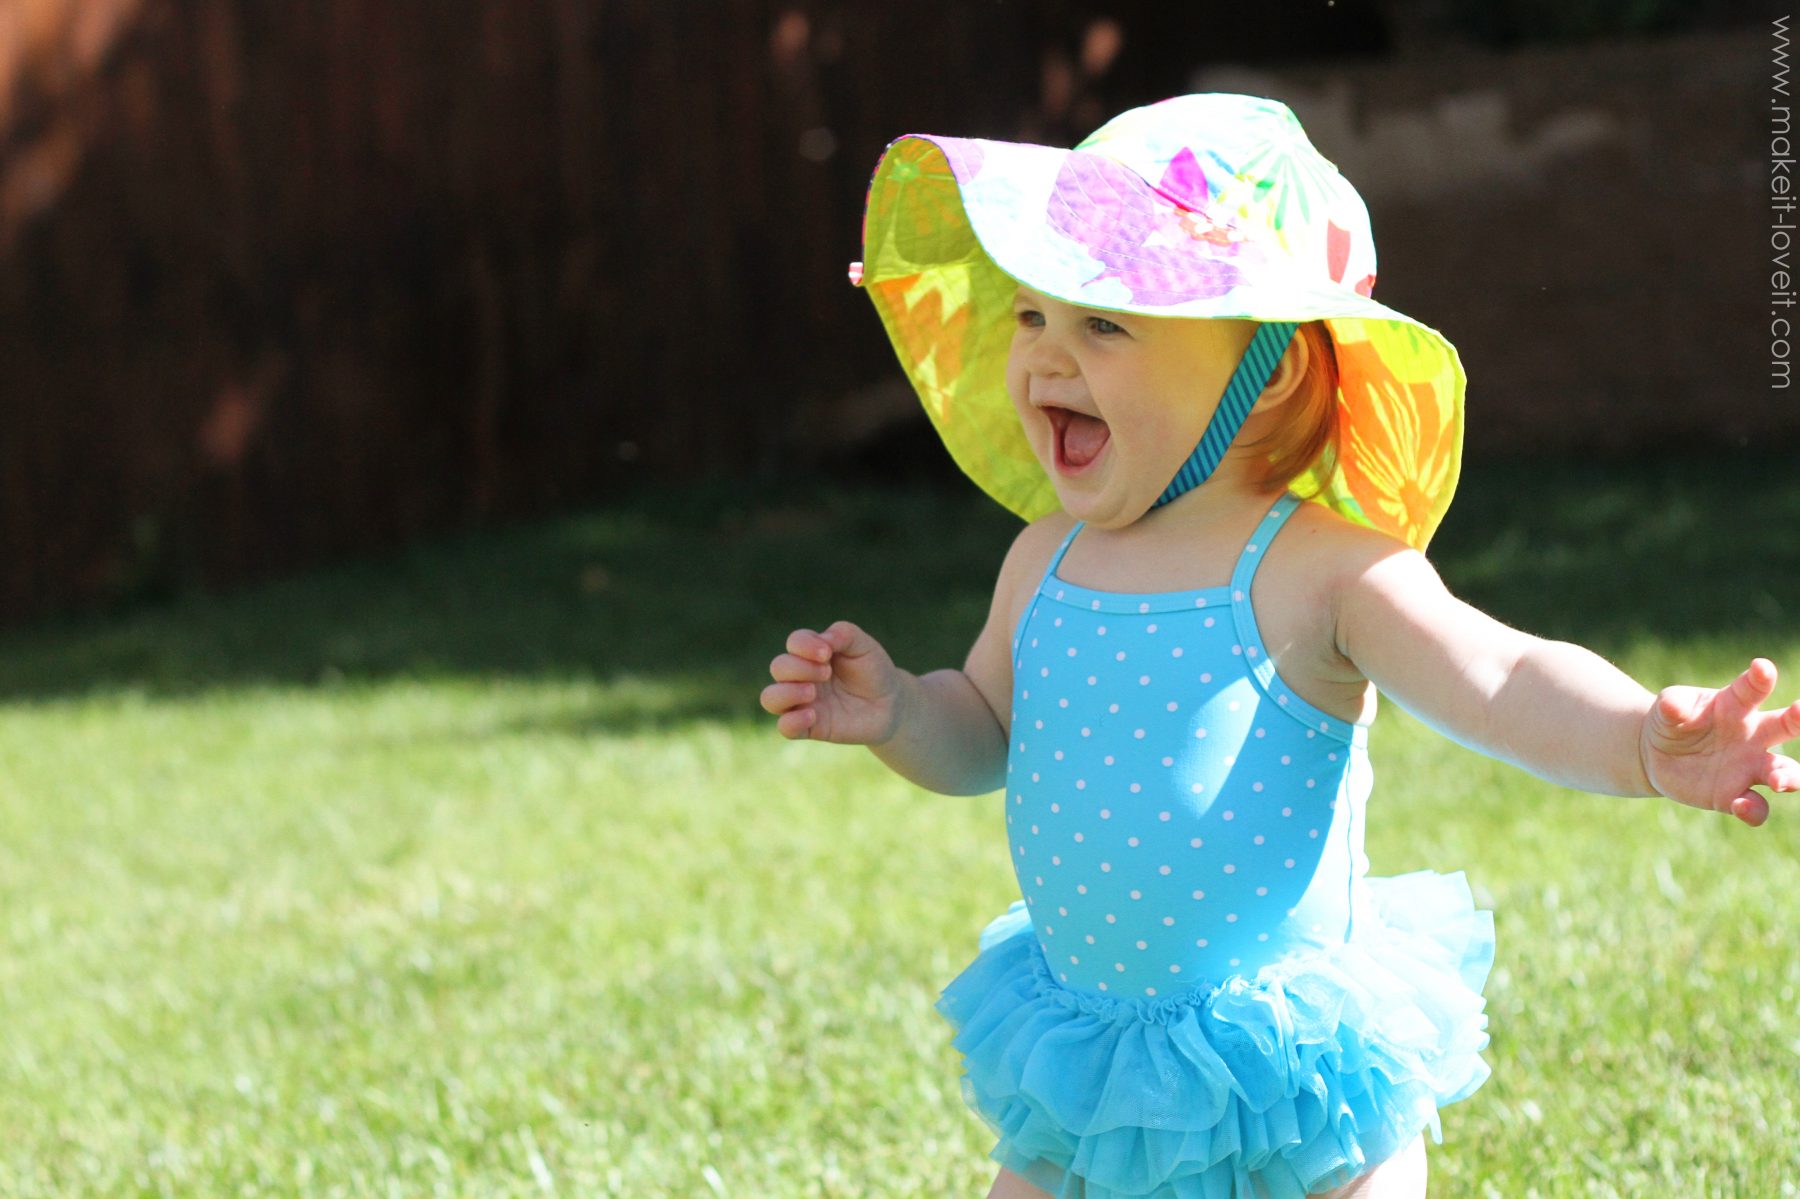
(1047, 358)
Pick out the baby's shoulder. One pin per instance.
(1032, 550)
(1041, 537)
(1332, 548)
(1027, 557)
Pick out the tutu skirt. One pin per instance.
(1288, 1080)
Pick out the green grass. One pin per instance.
(478, 871)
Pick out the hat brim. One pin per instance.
(953, 225)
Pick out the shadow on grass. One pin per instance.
(1607, 554)
(677, 600)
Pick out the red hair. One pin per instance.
(1308, 429)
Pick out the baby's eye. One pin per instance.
(1028, 318)
(1100, 324)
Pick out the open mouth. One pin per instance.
(1080, 438)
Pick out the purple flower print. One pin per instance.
(1163, 251)
(1184, 182)
(964, 155)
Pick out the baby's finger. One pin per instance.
(1755, 685)
(778, 698)
(797, 725)
(805, 643)
(849, 639)
(1678, 707)
(791, 668)
(1751, 808)
(1778, 727)
(1779, 773)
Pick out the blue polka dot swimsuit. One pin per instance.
(1177, 813)
(1200, 992)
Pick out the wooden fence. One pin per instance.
(285, 281)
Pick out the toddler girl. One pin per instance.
(1201, 993)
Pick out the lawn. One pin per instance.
(477, 870)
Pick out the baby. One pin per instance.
(1161, 350)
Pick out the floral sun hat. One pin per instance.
(1200, 206)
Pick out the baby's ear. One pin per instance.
(1284, 382)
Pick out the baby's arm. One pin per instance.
(1560, 711)
(945, 731)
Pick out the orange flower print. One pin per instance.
(920, 201)
(930, 339)
(1399, 443)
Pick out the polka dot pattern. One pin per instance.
(1189, 794)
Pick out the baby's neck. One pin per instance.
(1190, 542)
(1231, 493)
(1206, 524)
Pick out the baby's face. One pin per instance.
(1113, 403)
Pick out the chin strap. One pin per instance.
(1247, 382)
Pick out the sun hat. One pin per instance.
(1210, 205)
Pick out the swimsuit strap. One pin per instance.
(1267, 345)
(1256, 656)
(1049, 571)
(1256, 549)
(1057, 557)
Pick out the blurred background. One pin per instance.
(281, 283)
(422, 421)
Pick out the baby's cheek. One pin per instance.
(1155, 453)
(1016, 389)
(1036, 427)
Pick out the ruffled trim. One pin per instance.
(1296, 1079)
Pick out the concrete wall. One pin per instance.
(1589, 226)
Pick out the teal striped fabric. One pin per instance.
(1247, 382)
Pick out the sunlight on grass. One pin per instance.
(479, 872)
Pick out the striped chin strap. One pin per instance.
(1247, 382)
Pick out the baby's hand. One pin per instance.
(1707, 748)
(839, 685)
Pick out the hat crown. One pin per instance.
(1245, 164)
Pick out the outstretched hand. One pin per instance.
(1707, 748)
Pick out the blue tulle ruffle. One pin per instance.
(1291, 1080)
